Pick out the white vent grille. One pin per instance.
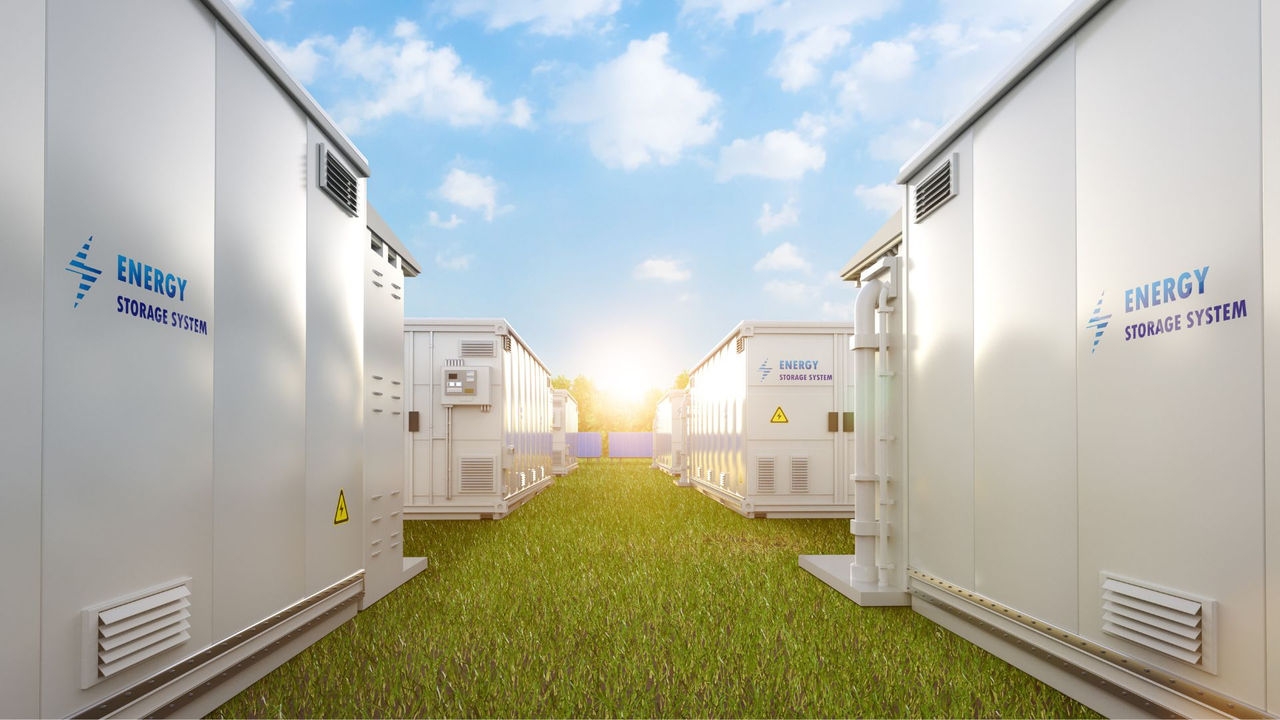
(1176, 626)
(765, 474)
(338, 182)
(799, 474)
(740, 345)
(937, 188)
(477, 348)
(476, 475)
(125, 632)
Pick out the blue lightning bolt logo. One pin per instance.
(88, 274)
(765, 369)
(1098, 323)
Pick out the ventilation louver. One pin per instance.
(477, 348)
(476, 475)
(799, 474)
(506, 343)
(126, 632)
(740, 345)
(1175, 626)
(765, 474)
(937, 188)
(338, 182)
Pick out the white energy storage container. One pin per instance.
(564, 427)
(771, 420)
(184, 433)
(479, 419)
(1088, 331)
(670, 427)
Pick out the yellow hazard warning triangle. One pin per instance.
(340, 515)
(778, 416)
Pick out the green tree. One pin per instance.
(560, 382)
(682, 380)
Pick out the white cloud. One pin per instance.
(873, 85)
(886, 198)
(521, 113)
(837, 311)
(545, 17)
(902, 140)
(453, 262)
(304, 59)
(282, 6)
(791, 292)
(639, 109)
(471, 191)
(780, 155)
(813, 126)
(403, 74)
(726, 11)
(662, 269)
(797, 65)
(770, 220)
(785, 257)
(454, 221)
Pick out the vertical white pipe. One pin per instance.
(883, 562)
(865, 344)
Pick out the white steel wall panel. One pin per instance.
(939, 416)
(1024, 311)
(336, 244)
(259, 381)
(21, 295)
(1170, 426)
(1271, 332)
(121, 392)
(384, 419)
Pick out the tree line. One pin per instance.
(599, 411)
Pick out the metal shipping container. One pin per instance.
(479, 419)
(670, 425)
(564, 426)
(1090, 414)
(771, 421)
(184, 432)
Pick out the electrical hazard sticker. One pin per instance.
(340, 515)
(778, 416)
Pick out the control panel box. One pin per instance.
(464, 386)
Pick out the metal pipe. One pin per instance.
(883, 563)
(863, 569)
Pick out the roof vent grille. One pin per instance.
(1174, 625)
(477, 348)
(506, 343)
(937, 188)
(800, 474)
(476, 475)
(126, 632)
(740, 344)
(338, 182)
(765, 474)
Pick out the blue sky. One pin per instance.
(626, 180)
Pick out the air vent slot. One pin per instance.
(476, 475)
(338, 182)
(506, 343)
(799, 474)
(765, 474)
(477, 348)
(937, 188)
(128, 631)
(1177, 626)
(740, 344)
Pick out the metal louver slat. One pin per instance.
(936, 189)
(476, 475)
(125, 632)
(338, 182)
(473, 348)
(799, 474)
(1176, 626)
(765, 474)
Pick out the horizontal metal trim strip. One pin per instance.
(1135, 667)
(130, 694)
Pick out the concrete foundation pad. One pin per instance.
(834, 571)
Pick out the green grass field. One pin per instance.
(616, 594)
